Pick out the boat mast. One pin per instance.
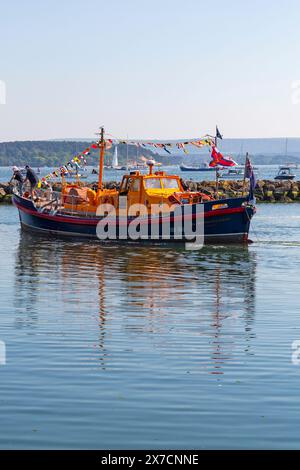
(286, 147)
(127, 153)
(101, 162)
(217, 171)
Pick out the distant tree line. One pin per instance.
(56, 153)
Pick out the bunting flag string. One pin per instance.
(77, 161)
(182, 146)
(199, 143)
(80, 159)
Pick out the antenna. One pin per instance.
(127, 153)
(101, 162)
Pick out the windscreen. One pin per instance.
(152, 183)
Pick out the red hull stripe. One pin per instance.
(78, 221)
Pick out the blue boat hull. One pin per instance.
(190, 168)
(229, 225)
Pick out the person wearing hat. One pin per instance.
(17, 178)
(32, 178)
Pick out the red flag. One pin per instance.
(219, 160)
(108, 144)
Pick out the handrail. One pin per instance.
(55, 200)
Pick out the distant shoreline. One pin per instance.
(54, 153)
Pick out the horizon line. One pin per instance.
(88, 139)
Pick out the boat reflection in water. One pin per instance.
(120, 307)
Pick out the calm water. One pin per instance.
(152, 347)
(262, 172)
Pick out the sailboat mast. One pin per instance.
(101, 161)
(286, 147)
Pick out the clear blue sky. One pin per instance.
(159, 68)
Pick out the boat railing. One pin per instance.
(55, 201)
(46, 200)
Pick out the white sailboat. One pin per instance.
(288, 164)
(115, 162)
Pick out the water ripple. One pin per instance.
(115, 347)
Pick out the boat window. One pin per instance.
(135, 185)
(170, 183)
(123, 184)
(152, 183)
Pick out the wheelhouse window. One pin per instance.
(124, 185)
(135, 185)
(170, 183)
(152, 183)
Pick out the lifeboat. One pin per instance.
(154, 206)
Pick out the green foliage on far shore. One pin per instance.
(54, 153)
(57, 153)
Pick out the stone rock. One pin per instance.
(260, 184)
(266, 190)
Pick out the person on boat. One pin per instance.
(32, 178)
(17, 178)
